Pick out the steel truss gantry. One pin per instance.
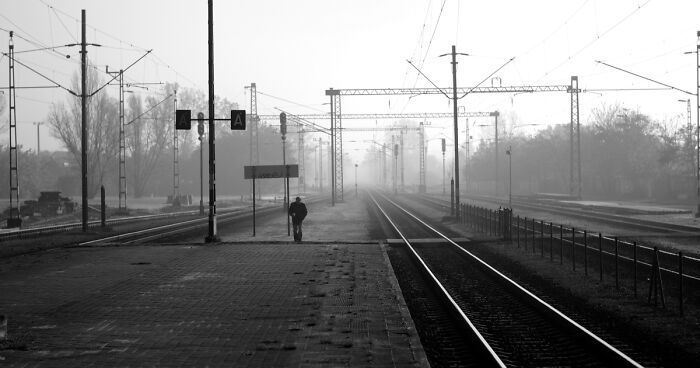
(300, 119)
(336, 119)
(254, 158)
(122, 140)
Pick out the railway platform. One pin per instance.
(259, 301)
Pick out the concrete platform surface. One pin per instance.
(226, 305)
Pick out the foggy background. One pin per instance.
(634, 144)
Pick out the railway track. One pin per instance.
(505, 324)
(588, 215)
(183, 227)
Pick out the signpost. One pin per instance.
(183, 121)
(270, 172)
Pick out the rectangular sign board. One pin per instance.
(271, 171)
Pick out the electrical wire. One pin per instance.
(589, 44)
(289, 101)
(45, 77)
(149, 110)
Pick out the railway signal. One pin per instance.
(183, 120)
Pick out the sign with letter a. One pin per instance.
(237, 119)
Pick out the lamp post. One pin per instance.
(355, 180)
(509, 152)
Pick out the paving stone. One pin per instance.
(243, 304)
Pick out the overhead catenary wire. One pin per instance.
(646, 78)
(596, 39)
(45, 77)
(149, 110)
(117, 75)
(288, 101)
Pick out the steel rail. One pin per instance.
(484, 344)
(612, 352)
(628, 259)
(593, 215)
(53, 229)
(162, 231)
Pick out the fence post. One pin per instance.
(534, 245)
(551, 241)
(600, 254)
(561, 244)
(573, 248)
(525, 233)
(542, 238)
(680, 283)
(634, 252)
(617, 275)
(585, 252)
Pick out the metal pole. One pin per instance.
(697, 126)
(443, 172)
(320, 165)
(38, 141)
(332, 155)
(211, 237)
(403, 188)
(287, 189)
(496, 176)
(510, 177)
(83, 125)
(253, 201)
(454, 107)
(284, 162)
(200, 129)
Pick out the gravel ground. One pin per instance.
(661, 332)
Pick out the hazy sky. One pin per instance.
(297, 49)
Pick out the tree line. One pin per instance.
(624, 155)
(149, 139)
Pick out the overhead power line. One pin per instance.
(149, 110)
(645, 78)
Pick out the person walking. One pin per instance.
(297, 210)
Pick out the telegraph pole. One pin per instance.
(83, 125)
(454, 106)
(211, 237)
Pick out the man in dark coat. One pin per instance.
(297, 210)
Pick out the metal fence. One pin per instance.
(635, 267)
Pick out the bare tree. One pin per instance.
(149, 137)
(102, 129)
